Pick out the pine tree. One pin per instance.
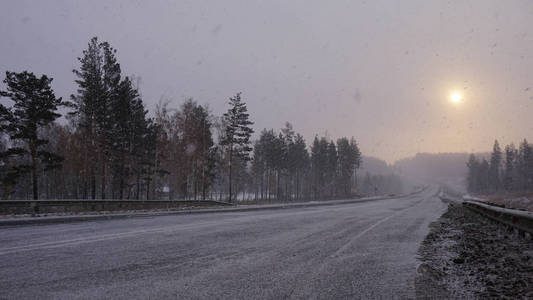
(111, 77)
(356, 159)
(259, 165)
(509, 171)
(10, 173)
(297, 160)
(331, 168)
(237, 134)
(319, 165)
(472, 175)
(495, 166)
(510, 168)
(301, 160)
(122, 130)
(483, 176)
(272, 156)
(349, 160)
(525, 165)
(34, 108)
(286, 138)
(280, 162)
(87, 105)
(98, 80)
(139, 161)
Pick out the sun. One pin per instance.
(456, 97)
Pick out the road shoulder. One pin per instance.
(50, 219)
(466, 255)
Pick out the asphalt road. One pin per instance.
(361, 250)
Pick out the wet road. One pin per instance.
(360, 250)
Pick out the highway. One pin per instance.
(358, 250)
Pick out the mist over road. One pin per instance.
(365, 250)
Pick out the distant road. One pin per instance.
(359, 250)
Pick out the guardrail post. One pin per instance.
(34, 208)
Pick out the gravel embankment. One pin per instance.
(468, 256)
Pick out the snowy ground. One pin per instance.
(468, 256)
(360, 250)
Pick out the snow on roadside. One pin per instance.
(468, 256)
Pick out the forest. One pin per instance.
(510, 170)
(109, 146)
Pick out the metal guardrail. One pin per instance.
(37, 207)
(78, 205)
(239, 208)
(67, 201)
(520, 219)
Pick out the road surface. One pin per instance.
(361, 250)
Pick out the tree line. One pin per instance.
(283, 168)
(110, 148)
(381, 184)
(510, 170)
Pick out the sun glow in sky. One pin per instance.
(456, 97)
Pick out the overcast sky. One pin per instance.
(381, 71)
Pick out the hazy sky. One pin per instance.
(380, 71)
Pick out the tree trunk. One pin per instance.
(195, 182)
(148, 190)
(154, 175)
(138, 190)
(278, 187)
(262, 179)
(33, 152)
(267, 185)
(297, 185)
(230, 165)
(288, 191)
(121, 188)
(204, 185)
(103, 196)
(93, 183)
(268, 192)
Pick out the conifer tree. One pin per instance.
(87, 105)
(237, 135)
(331, 168)
(483, 176)
(34, 108)
(259, 166)
(123, 132)
(495, 166)
(111, 77)
(473, 174)
(349, 161)
(525, 165)
(300, 160)
(510, 168)
(319, 165)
